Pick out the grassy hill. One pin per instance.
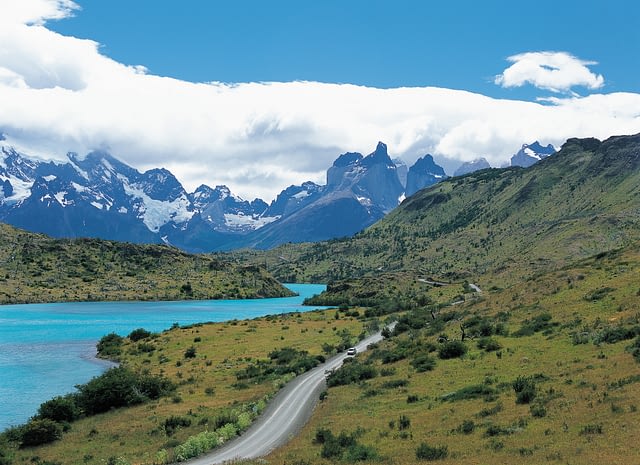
(509, 223)
(36, 268)
(549, 373)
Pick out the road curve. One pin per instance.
(285, 415)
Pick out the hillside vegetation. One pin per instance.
(216, 378)
(543, 371)
(36, 268)
(509, 223)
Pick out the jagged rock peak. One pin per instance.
(347, 159)
(471, 166)
(379, 155)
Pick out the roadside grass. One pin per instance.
(585, 408)
(209, 394)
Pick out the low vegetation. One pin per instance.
(37, 268)
(564, 390)
(178, 393)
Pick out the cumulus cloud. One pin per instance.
(60, 94)
(554, 71)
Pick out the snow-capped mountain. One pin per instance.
(531, 153)
(471, 166)
(96, 195)
(359, 191)
(226, 212)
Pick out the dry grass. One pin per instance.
(205, 385)
(591, 417)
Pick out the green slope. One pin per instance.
(510, 222)
(36, 268)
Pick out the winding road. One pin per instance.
(285, 415)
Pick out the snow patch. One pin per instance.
(242, 222)
(364, 201)
(157, 213)
(301, 195)
(49, 178)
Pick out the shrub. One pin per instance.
(427, 452)
(110, 346)
(423, 363)
(452, 349)
(525, 389)
(538, 410)
(352, 372)
(412, 398)
(361, 453)
(404, 422)
(190, 352)
(119, 387)
(395, 383)
(40, 431)
(138, 334)
(591, 429)
(60, 409)
(539, 323)
(196, 445)
(172, 423)
(489, 344)
(474, 391)
(467, 427)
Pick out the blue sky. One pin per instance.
(453, 43)
(260, 95)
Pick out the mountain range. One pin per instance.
(504, 222)
(97, 195)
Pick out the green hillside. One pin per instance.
(509, 222)
(37, 268)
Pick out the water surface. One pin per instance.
(46, 349)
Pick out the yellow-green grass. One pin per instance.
(205, 384)
(590, 392)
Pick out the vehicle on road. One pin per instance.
(351, 351)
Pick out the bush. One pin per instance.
(138, 334)
(525, 389)
(452, 349)
(110, 346)
(190, 352)
(60, 409)
(395, 383)
(40, 431)
(423, 363)
(119, 387)
(474, 391)
(467, 427)
(172, 423)
(427, 452)
(489, 344)
(196, 445)
(538, 411)
(352, 372)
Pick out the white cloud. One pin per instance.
(554, 71)
(60, 94)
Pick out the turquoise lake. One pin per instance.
(46, 349)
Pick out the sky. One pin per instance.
(258, 95)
